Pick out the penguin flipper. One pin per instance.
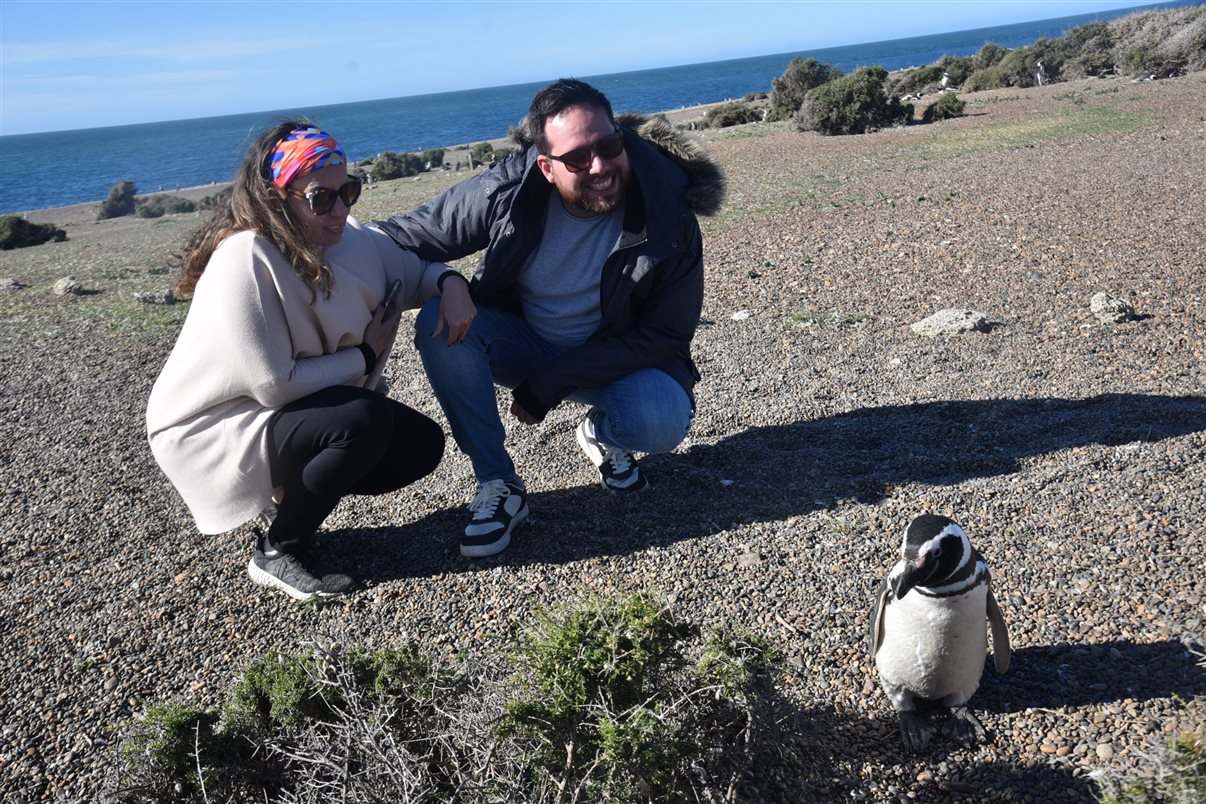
(1000, 635)
(876, 635)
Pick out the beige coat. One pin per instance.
(253, 342)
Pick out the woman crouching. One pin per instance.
(271, 406)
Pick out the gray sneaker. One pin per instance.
(618, 470)
(498, 508)
(288, 573)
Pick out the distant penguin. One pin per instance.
(1040, 75)
(946, 80)
(928, 636)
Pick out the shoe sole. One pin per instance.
(644, 484)
(586, 446)
(589, 450)
(258, 576)
(502, 543)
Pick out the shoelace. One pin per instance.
(485, 503)
(621, 461)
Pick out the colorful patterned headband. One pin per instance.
(304, 151)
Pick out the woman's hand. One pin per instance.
(379, 334)
(457, 311)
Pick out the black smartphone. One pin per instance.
(393, 291)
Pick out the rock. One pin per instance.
(741, 315)
(1110, 309)
(8, 283)
(748, 560)
(1105, 751)
(156, 297)
(68, 285)
(952, 321)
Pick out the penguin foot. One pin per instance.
(964, 727)
(915, 731)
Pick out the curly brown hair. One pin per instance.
(256, 204)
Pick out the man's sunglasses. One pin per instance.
(580, 159)
(322, 199)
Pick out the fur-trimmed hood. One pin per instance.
(705, 180)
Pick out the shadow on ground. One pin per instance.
(1050, 677)
(825, 755)
(772, 473)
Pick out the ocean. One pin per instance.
(53, 169)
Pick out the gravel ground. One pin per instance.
(1070, 450)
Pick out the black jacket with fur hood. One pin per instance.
(652, 282)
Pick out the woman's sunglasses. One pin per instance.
(322, 199)
(580, 159)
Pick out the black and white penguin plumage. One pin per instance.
(927, 631)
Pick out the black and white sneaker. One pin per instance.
(497, 508)
(618, 470)
(289, 573)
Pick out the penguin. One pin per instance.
(927, 632)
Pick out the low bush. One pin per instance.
(789, 90)
(1017, 68)
(432, 158)
(216, 200)
(944, 108)
(159, 205)
(987, 56)
(616, 710)
(16, 232)
(485, 154)
(119, 202)
(854, 104)
(929, 79)
(1161, 42)
(390, 165)
(1085, 51)
(735, 113)
(609, 700)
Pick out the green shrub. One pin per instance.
(750, 97)
(176, 752)
(988, 56)
(433, 157)
(800, 77)
(1085, 51)
(1175, 773)
(854, 104)
(216, 200)
(16, 232)
(735, 113)
(279, 691)
(944, 108)
(609, 701)
(929, 79)
(392, 165)
(119, 202)
(615, 710)
(158, 205)
(918, 79)
(484, 153)
(1017, 68)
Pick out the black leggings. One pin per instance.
(344, 440)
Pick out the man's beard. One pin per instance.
(585, 201)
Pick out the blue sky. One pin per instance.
(67, 64)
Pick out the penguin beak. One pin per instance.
(907, 579)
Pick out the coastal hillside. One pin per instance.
(1067, 441)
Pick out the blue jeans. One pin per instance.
(647, 411)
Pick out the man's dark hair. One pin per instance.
(555, 99)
